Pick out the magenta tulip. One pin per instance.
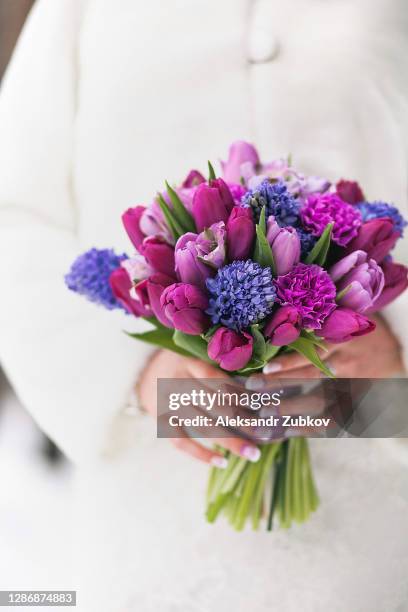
(240, 152)
(193, 179)
(159, 255)
(185, 305)
(155, 285)
(396, 281)
(212, 203)
(121, 286)
(343, 325)
(350, 191)
(131, 221)
(230, 349)
(376, 237)
(284, 326)
(240, 233)
(361, 279)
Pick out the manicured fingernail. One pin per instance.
(252, 453)
(219, 462)
(254, 383)
(272, 367)
(292, 432)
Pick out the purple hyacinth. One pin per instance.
(242, 293)
(321, 209)
(310, 289)
(277, 200)
(89, 276)
(381, 210)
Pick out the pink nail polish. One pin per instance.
(219, 462)
(272, 367)
(252, 453)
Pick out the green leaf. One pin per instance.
(262, 220)
(259, 346)
(343, 292)
(162, 337)
(271, 351)
(263, 252)
(306, 347)
(193, 345)
(181, 214)
(211, 172)
(254, 365)
(174, 226)
(309, 335)
(319, 252)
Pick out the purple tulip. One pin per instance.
(240, 233)
(152, 222)
(284, 326)
(212, 203)
(121, 285)
(285, 245)
(197, 257)
(158, 254)
(240, 152)
(139, 293)
(343, 325)
(396, 281)
(361, 278)
(350, 191)
(193, 179)
(131, 221)
(155, 285)
(376, 237)
(185, 305)
(230, 349)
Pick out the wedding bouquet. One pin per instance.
(235, 270)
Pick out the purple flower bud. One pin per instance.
(199, 256)
(360, 278)
(240, 152)
(240, 233)
(140, 294)
(350, 191)
(152, 222)
(121, 285)
(155, 285)
(230, 349)
(158, 254)
(193, 179)
(212, 203)
(285, 245)
(344, 325)
(396, 281)
(185, 305)
(137, 267)
(131, 221)
(284, 326)
(376, 237)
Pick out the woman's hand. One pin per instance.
(376, 355)
(166, 364)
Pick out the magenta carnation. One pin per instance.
(310, 290)
(321, 209)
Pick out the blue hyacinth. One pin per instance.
(378, 210)
(307, 242)
(277, 201)
(89, 276)
(241, 294)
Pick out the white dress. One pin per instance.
(102, 101)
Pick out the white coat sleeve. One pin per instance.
(69, 361)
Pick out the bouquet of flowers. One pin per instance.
(234, 270)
